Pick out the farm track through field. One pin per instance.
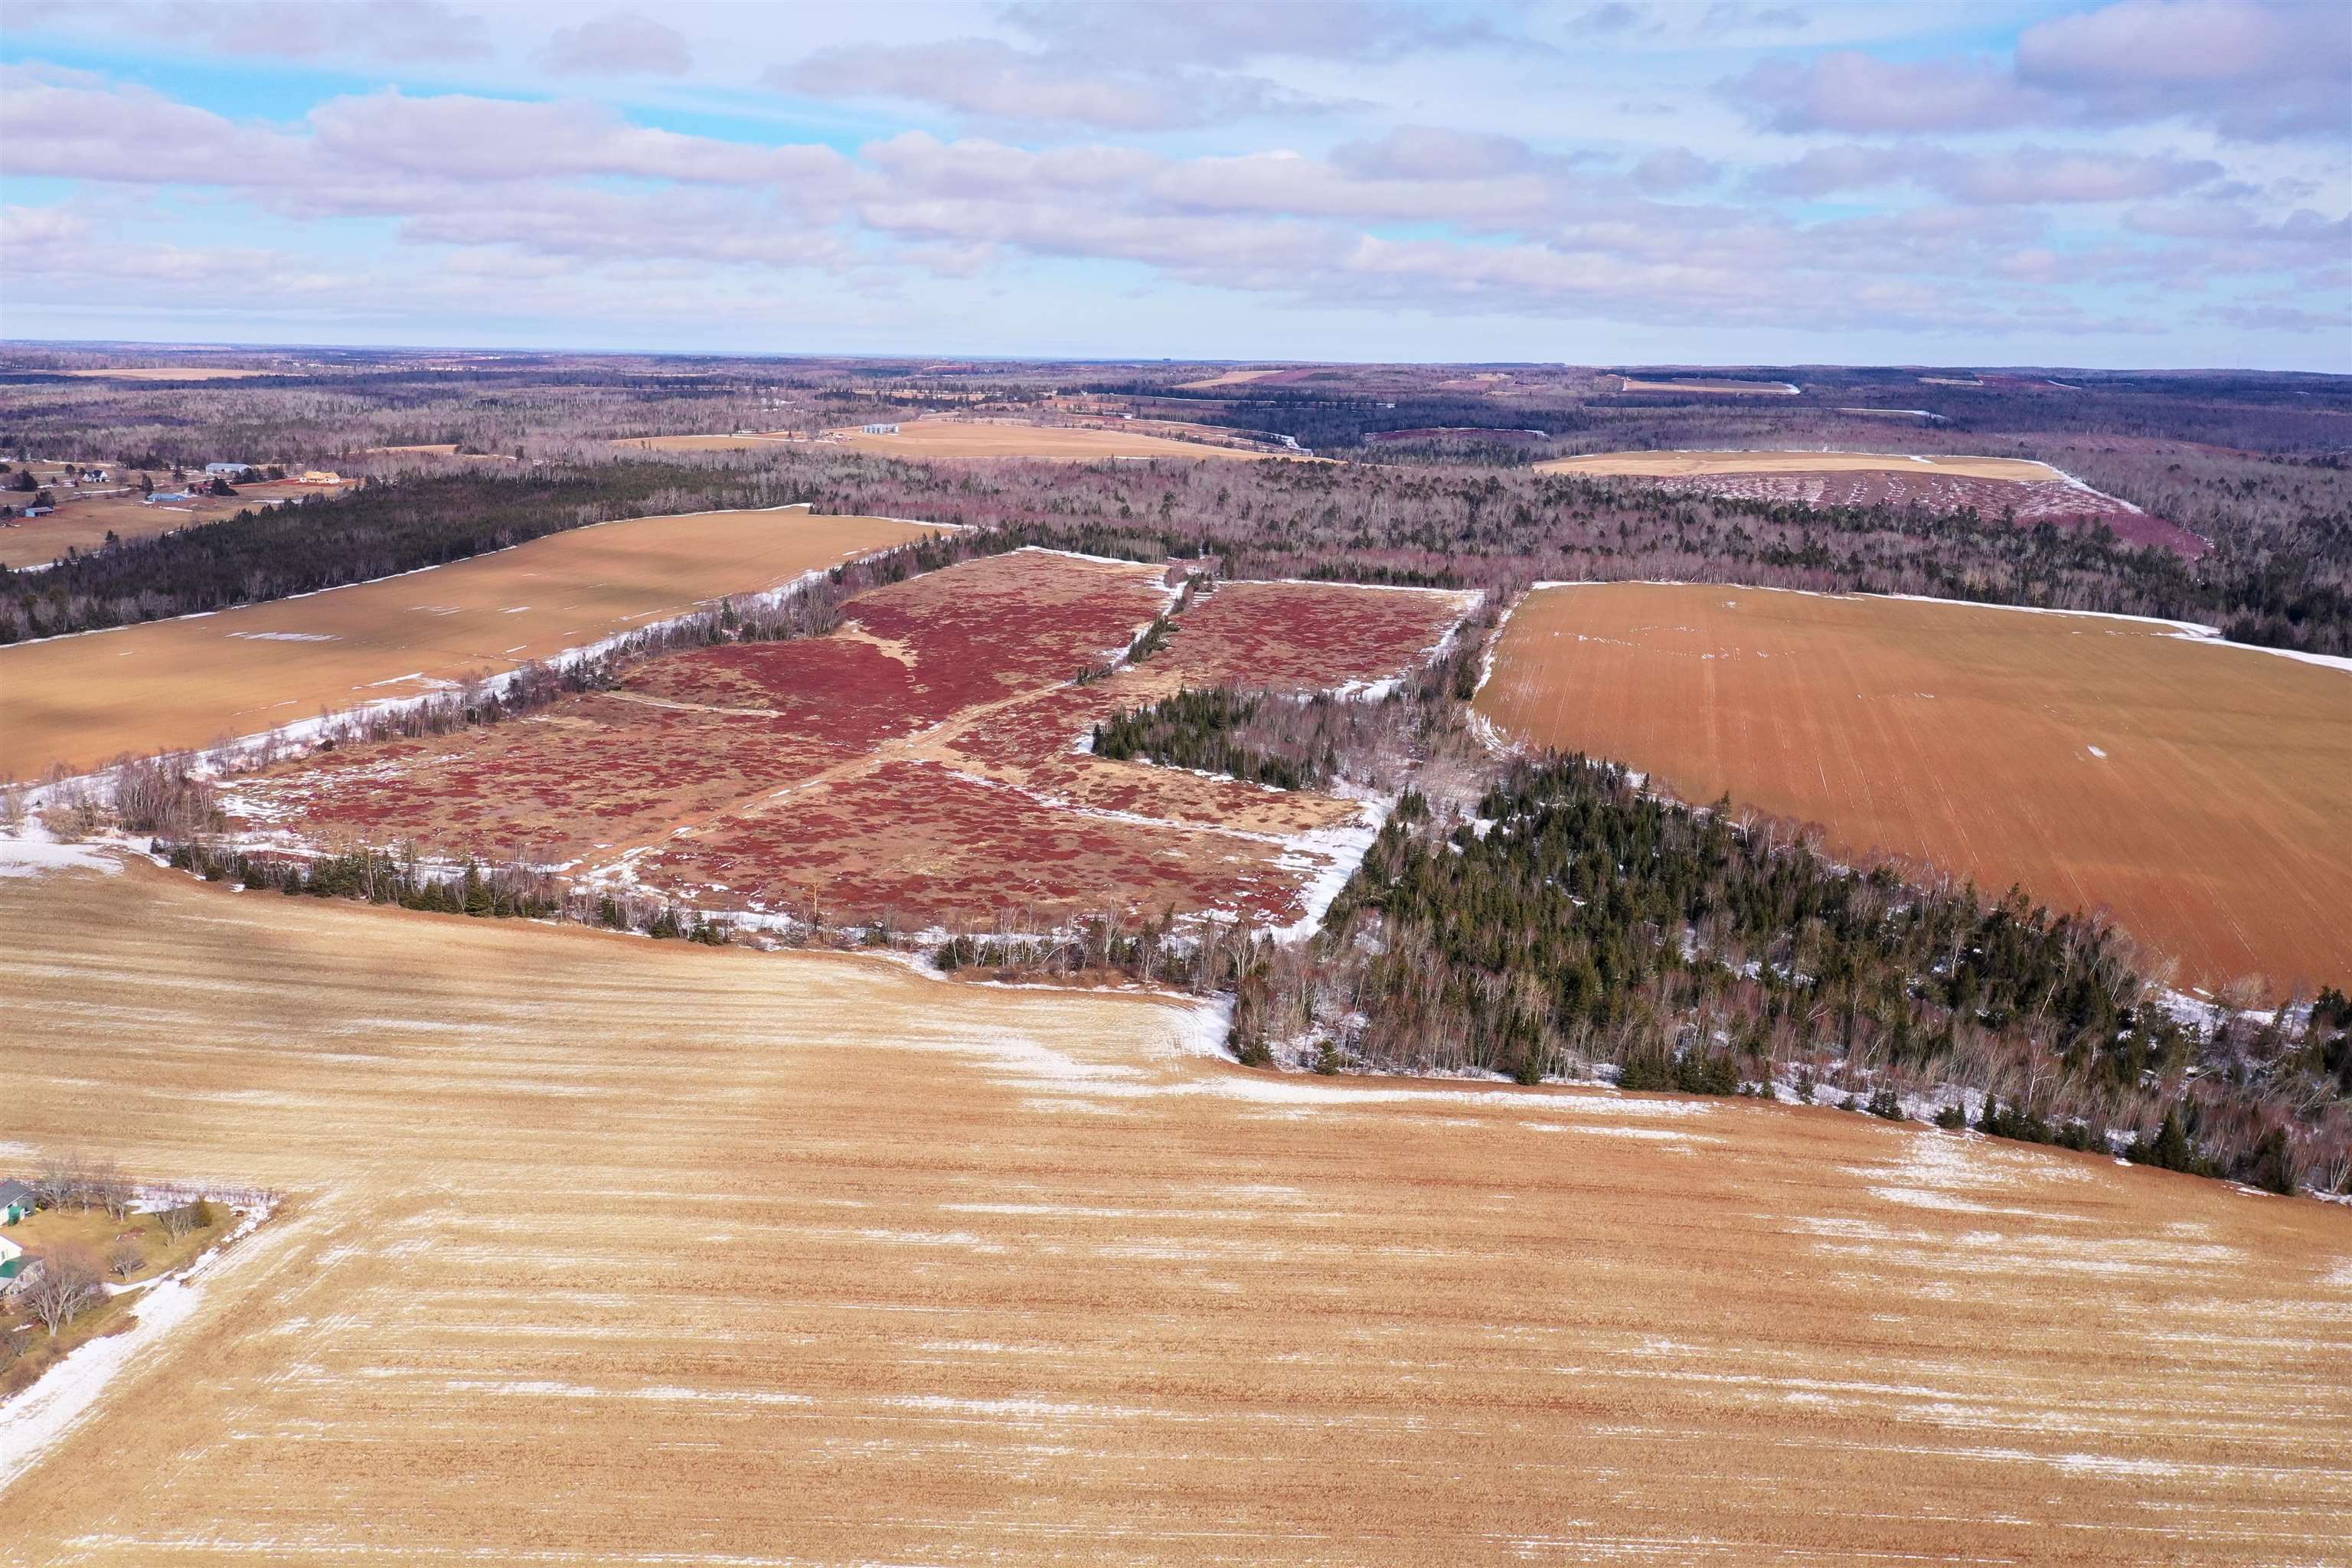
(602, 1251)
(2200, 791)
(920, 763)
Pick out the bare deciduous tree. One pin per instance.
(63, 1287)
(126, 1256)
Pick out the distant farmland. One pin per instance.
(1710, 385)
(604, 1250)
(1078, 443)
(82, 700)
(2030, 491)
(2199, 791)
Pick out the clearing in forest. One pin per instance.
(1226, 378)
(82, 700)
(923, 765)
(598, 1250)
(1712, 386)
(2198, 790)
(2029, 492)
(1073, 443)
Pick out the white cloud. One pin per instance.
(618, 43)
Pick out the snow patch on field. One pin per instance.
(31, 857)
(37, 1420)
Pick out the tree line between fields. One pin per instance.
(1551, 919)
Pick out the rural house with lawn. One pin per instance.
(16, 1201)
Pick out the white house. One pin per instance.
(881, 429)
(228, 468)
(12, 1265)
(16, 1201)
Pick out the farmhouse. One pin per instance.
(16, 1201)
(881, 429)
(12, 1265)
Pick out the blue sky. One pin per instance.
(2137, 183)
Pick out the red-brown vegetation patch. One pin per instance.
(924, 764)
(918, 843)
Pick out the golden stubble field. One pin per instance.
(2201, 792)
(604, 1252)
(1074, 443)
(1692, 465)
(82, 700)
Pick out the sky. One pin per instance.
(2141, 182)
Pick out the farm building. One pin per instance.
(16, 1201)
(171, 495)
(11, 1264)
(228, 470)
(321, 477)
(881, 429)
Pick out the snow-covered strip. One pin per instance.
(2187, 631)
(31, 857)
(37, 1420)
(1331, 856)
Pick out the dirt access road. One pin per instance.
(608, 1252)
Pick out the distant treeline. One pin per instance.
(2279, 575)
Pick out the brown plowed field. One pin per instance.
(2034, 493)
(83, 700)
(2200, 792)
(601, 1251)
(917, 765)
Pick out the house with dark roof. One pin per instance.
(16, 1201)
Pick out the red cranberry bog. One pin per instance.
(924, 766)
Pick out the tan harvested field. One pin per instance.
(1225, 378)
(1686, 465)
(171, 372)
(1075, 443)
(2028, 491)
(605, 1252)
(2199, 791)
(84, 521)
(82, 700)
(1724, 388)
